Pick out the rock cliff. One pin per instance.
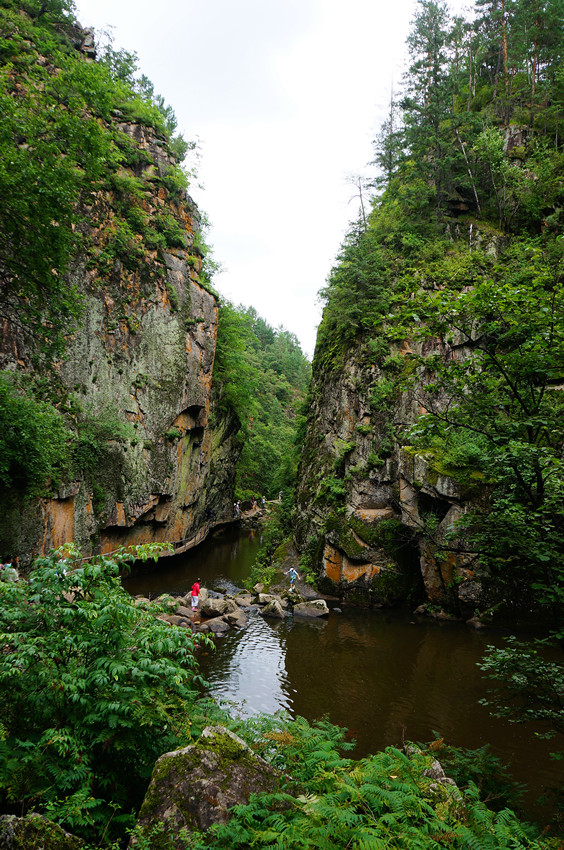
(365, 502)
(153, 455)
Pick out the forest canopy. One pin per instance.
(263, 376)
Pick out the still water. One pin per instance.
(386, 676)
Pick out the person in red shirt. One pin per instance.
(195, 594)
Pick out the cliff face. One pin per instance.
(365, 503)
(432, 464)
(153, 456)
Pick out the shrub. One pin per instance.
(93, 688)
(33, 440)
(384, 801)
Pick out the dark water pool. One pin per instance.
(385, 675)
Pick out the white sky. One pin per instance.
(285, 97)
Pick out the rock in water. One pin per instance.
(218, 626)
(193, 788)
(274, 610)
(313, 608)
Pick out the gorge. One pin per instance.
(421, 468)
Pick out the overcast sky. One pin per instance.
(285, 97)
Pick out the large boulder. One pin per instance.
(175, 620)
(273, 610)
(213, 607)
(195, 787)
(184, 611)
(244, 599)
(237, 618)
(218, 626)
(266, 598)
(313, 608)
(35, 831)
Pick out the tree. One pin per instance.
(60, 145)
(427, 103)
(531, 684)
(263, 376)
(502, 384)
(33, 441)
(388, 149)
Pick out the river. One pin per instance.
(386, 676)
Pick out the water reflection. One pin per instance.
(383, 675)
(249, 668)
(223, 560)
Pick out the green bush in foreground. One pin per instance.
(93, 689)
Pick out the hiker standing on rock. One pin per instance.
(195, 594)
(293, 574)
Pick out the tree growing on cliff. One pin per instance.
(502, 375)
(59, 146)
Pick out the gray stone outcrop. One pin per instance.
(238, 619)
(311, 608)
(212, 607)
(139, 368)
(273, 610)
(362, 498)
(218, 626)
(218, 613)
(195, 787)
(266, 598)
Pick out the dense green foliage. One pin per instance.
(384, 801)
(263, 376)
(530, 684)
(93, 688)
(59, 143)
(452, 292)
(481, 768)
(85, 207)
(505, 405)
(33, 440)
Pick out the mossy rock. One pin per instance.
(195, 787)
(35, 831)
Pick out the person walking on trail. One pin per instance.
(293, 575)
(195, 594)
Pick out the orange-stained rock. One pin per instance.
(338, 567)
(332, 563)
(371, 515)
(58, 523)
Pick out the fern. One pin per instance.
(380, 802)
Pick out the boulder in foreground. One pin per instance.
(35, 831)
(193, 788)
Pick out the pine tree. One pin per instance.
(427, 105)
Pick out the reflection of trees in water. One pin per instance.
(386, 678)
(227, 555)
